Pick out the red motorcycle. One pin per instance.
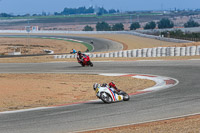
(85, 60)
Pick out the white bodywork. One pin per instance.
(114, 96)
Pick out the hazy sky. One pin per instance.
(37, 6)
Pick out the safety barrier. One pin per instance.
(145, 52)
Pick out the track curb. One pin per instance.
(161, 83)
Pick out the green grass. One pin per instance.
(78, 16)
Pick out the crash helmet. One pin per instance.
(79, 52)
(104, 85)
(95, 86)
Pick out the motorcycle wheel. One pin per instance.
(82, 64)
(91, 64)
(106, 98)
(126, 97)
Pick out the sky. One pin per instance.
(51, 6)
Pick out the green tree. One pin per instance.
(135, 25)
(191, 23)
(165, 23)
(118, 27)
(150, 25)
(88, 28)
(103, 26)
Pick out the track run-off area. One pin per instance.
(177, 101)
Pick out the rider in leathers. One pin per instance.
(112, 85)
(80, 56)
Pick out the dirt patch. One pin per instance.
(21, 91)
(190, 124)
(36, 46)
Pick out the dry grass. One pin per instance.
(36, 46)
(190, 124)
(21, 91)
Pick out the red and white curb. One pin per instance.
(161, 83)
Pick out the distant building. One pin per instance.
(31, 28)
(34, 28)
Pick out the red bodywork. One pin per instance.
(85, 60)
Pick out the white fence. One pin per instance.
(145, 52)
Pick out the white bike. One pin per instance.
(109, 95)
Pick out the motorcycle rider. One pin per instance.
(73, 51)
(80, 56)
(112, 85)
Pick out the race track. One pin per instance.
(98, 44)
(180, 100)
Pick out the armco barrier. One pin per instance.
(145, 52)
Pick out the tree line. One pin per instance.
(70, 11)
(162, 24)
(84, 10)
(178, 34)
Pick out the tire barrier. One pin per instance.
(120, 54)
(177, 51)
(171, 51)
(129, 53)
(193, 50)
(187, 51)
(149, 52)
(158, 52)
(134, 52)
(139, 53)
(182, 52)
(198, 50)
(163, 51)
(124, 54)
(145, 52)
(154, 52)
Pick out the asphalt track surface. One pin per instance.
(179, 100)
(98, 44)
(182, 99)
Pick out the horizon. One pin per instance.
(20, 7)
